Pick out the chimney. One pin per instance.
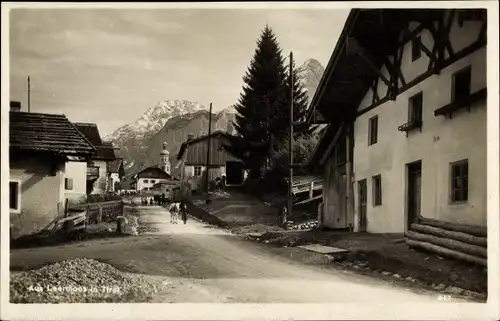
(15, 106)
(190, 137)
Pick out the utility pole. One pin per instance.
(29, 94)
(208, 145)
(290, 140)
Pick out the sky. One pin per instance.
(108, 66)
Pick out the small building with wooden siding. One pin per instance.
(404, 97)
(193, 161)
(40, 147)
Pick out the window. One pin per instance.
(15, 196)
(153, 181)
(460, 181)
(461, 84)
(415, 108)
(416, 50)
(146, 181)
(197, 170)
(373, 130)
(68, 184)
(377, 190)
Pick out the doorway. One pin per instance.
(234, 173)
(362, 197)
(414, 192)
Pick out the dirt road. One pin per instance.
(204, 264)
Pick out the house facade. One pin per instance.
(149, 177)
(413, 148)
(96, 172)
(40, 147)
(115, 173)
(192, 158)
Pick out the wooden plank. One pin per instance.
(459, 236)
(446, 252)
(317, 197)
(473, 230)
(318, 248)
(449, 243)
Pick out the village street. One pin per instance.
(204, 264)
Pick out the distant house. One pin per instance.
(115, 173)
(192, 158)
(165, 186)
(97, 176)
(405, 100)
(40, 147)
(148, 177)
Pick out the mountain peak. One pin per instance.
(311, 72)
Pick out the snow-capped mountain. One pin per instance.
(311, 72)
(155, 118)
(168, 121)
(171, 121)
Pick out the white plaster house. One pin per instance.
(96, 171)
(405, 99)
(149, 177)
(40, 148)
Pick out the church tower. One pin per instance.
(164, 159)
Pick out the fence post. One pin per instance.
(99, 215)
(311, 190)
(122, 208)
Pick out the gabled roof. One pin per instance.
(106, 151)
(47, 132)
(368, 37)
(153, 172)
(114, 165)
(217, 133)
(91, 132)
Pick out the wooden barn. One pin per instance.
(193, 161)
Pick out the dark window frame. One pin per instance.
(416, 108)
(373, 130)
(377, 190)
(15, 185)
(459, 181)
(416, 48)
(195, 170)
(458, 94)
(68, 182)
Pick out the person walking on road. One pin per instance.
(183, 206)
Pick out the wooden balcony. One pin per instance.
(92, 172)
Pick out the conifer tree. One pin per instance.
(259, 102)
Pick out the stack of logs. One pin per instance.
(462, 242)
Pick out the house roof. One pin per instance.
(114, 165)
(153, 172)
(91, 132)
(184, 145)
(47, 132)
(368, 35)
(106, 151)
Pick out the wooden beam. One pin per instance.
(458, 236)
(449, 243)
(332, 144)
(426, 50)
(446, 252)
(375, 69)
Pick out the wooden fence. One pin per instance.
(102, 211)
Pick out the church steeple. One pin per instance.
(164, 159)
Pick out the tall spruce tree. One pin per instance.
(261, 98)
